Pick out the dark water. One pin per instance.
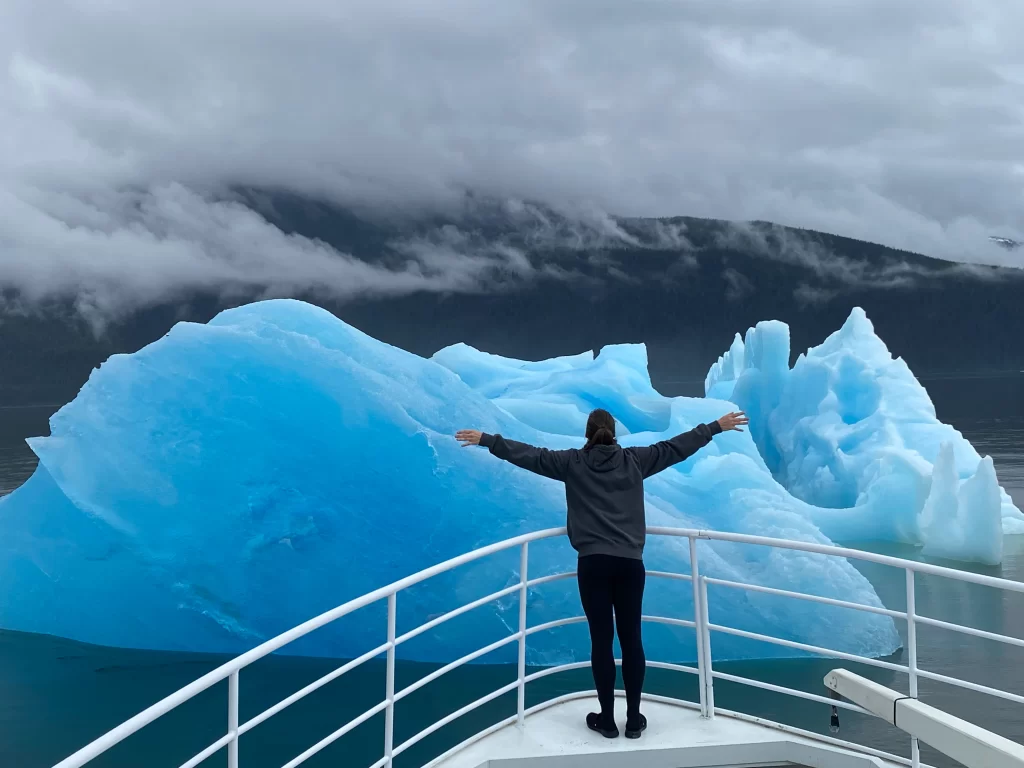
(56, 695)
(17, 461)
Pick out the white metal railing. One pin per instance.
(967, 743)
(701, 623)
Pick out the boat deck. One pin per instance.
(677, 737)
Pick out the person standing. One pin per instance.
(607, 527)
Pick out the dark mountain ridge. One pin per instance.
(546, 284)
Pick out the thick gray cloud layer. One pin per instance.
(887, 120)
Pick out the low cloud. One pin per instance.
(113, 255)
(837, 271)
(126, 125)
(738, 285)
(811, 295)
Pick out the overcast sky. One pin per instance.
(893, 121)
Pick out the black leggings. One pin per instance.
(608, 583)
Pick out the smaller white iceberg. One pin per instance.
(956, 512)
(851, 431)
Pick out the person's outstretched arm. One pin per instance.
(553, 464)
(654, 458)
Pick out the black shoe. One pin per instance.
(595, 723)
(634, 733)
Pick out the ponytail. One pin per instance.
(600, 429)
(602, 437)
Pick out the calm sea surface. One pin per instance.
(56, 695)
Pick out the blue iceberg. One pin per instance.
(234, 479)
(850, 430)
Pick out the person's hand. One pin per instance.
(468, 437)
(733, 421)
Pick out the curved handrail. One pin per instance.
(224, 671)
(832, 549)
(701, 624)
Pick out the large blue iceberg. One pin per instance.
(236, 478)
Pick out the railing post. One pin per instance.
(233, 719)
(389, 717)
(915, 749)
(709, 671)
(698, 620)
(521, 705)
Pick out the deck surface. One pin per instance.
(676, 737)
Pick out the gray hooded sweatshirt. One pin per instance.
(604, 485)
